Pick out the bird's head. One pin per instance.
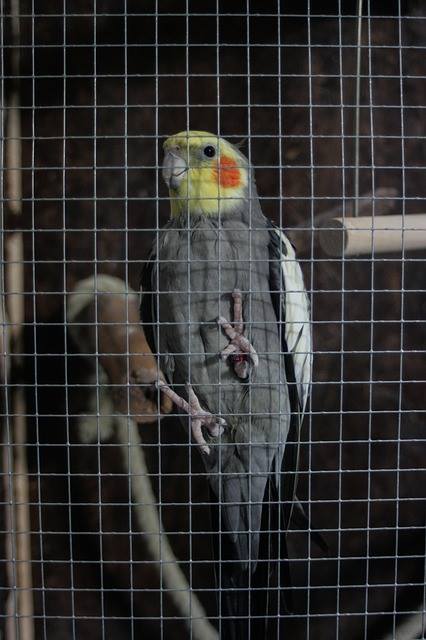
(205, 174)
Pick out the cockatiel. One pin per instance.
(225, 308)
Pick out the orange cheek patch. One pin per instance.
(227, 172)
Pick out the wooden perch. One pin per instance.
(105, 323)
(383, 202)
(378, 234)
(103, 318)
(373, 231)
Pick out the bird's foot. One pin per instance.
(239, 350)
(199, 417)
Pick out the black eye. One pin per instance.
(209, 151)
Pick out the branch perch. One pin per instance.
(118, 340)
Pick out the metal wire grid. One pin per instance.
(330, 483)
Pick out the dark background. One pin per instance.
(90, 194)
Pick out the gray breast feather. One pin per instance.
(199, 268)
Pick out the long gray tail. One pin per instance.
(253, 596)
(232, 582)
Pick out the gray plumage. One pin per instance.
(200, 262)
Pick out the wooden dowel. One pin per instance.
(379, 234)
(383, 202)
(118, 341)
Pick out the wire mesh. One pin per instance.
(109, 526)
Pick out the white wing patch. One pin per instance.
(297, 319)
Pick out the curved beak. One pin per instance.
(174, 169)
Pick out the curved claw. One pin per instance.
(198, 416)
